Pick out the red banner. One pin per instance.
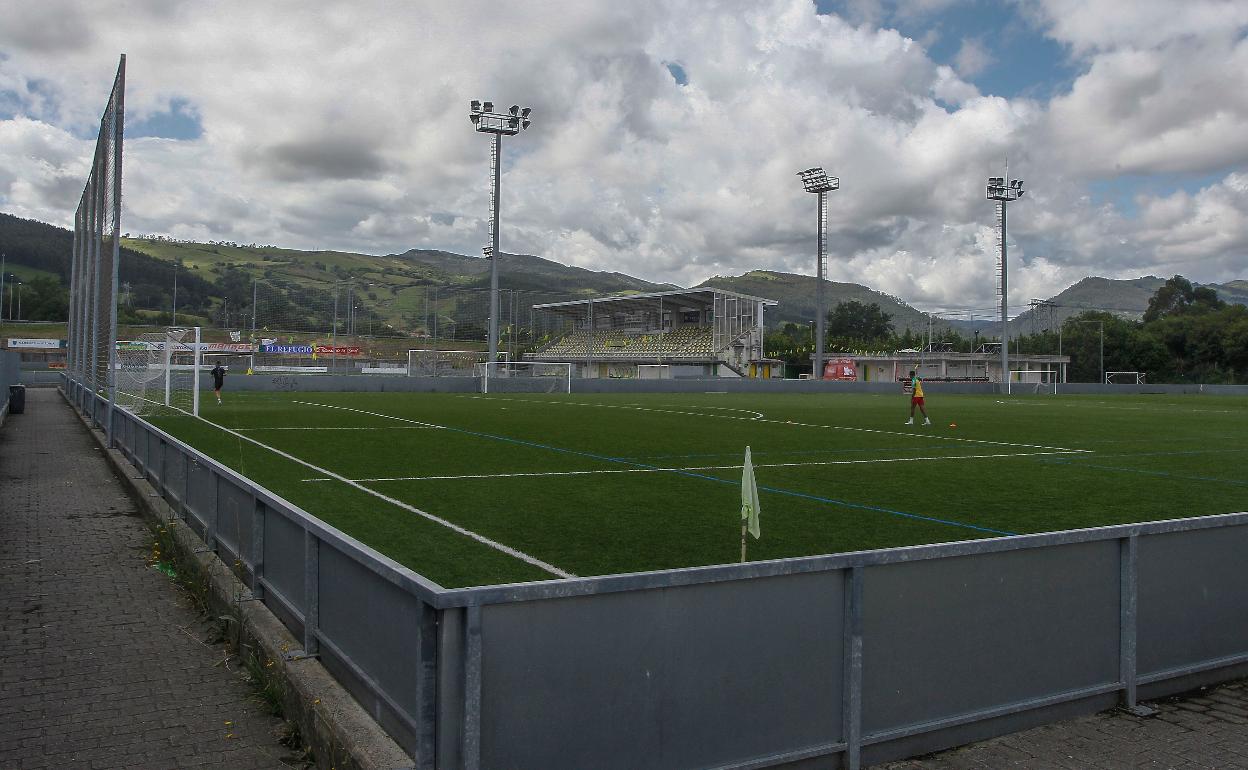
(341, 350)
(840, 369)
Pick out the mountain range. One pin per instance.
(395, 281)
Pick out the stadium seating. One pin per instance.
(684, 342)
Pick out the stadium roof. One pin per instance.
(677, 299)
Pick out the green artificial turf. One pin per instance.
(570, 479)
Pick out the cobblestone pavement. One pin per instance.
(1206, 730)
(102, 660)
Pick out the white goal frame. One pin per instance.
(654, 371)
(1032, 381)
(558, 374)
(148, 367)
(1137, 378)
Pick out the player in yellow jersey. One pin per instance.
(916, 399)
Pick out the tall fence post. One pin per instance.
(311, 592)
(1128, 550)
(183, 507)
(257, 548)
(213, 513)
(472, 688)
(427, 685)
(851, 705)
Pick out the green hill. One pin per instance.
(796, 295)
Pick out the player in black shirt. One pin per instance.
(218, 380)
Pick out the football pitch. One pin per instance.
(473, 489)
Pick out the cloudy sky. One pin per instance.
(666, 134)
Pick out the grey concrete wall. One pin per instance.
(378, 383)
(334, 383)
(45, 378)
(1092, 388)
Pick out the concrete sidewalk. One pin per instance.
(103, 663)
(1207, 730)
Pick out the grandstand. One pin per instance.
(684, 333)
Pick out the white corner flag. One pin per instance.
(749, 502)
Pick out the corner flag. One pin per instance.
(749, 502)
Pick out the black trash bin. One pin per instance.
(17, 399)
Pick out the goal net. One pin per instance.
(447, 363)
(526, 377)
(654, 372)
(1124, 378)
(157, 372)
(1032, 381)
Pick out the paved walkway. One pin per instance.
(102, 662)
(1209, 730)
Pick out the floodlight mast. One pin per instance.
(1003, 191)
(816, 180)
(487, 121)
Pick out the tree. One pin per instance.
(854, 320)
(1178, 296)
(44, 299)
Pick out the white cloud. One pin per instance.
(972, 58)
(345, 126)
(1179, 108)
(1101, 25)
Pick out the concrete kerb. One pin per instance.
(332, 723)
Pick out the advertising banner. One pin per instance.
(243, 348)
(341, 350)
(840, 369)
(227, 347)
(35, 344)
(289, 350)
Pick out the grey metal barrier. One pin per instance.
(10, 374)
(851, 658)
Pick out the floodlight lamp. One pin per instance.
(525, 112)
(489, 106)
(513, 123)
(475, 105)
(996, 180)
(515, 108)
(525, 123)
(816, 180)
(475, 119)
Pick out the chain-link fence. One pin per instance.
(381, 323)
(96, 253)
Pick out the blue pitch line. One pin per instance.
(691, 474)
(1147, 473)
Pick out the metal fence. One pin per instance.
(857, 657)
(92, 329)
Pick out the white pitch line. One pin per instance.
(798, 424)
(371, 414)
(376, 427)
(552, 569)
(604, 471)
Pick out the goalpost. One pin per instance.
(654, 372)
(158, 373)
(1031, 381)
(447, 363)
(1124, 378)
(526, 377)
